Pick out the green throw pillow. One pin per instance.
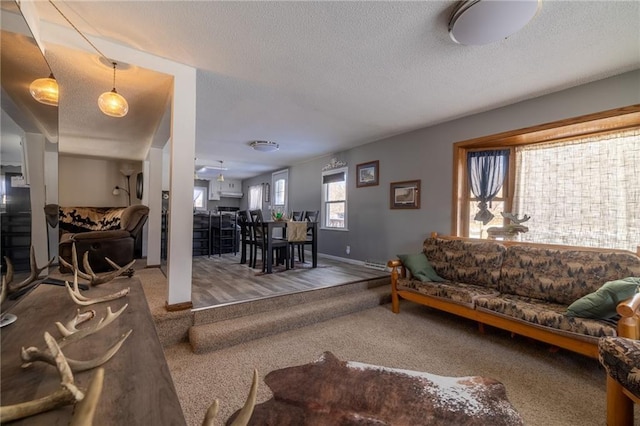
(601, 304)
(419, 266)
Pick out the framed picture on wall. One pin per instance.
(367, 174)
(267, 192)
(405, 195)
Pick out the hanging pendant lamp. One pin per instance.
(45, 90)
(111, 103)
(221, 176)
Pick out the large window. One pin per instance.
(334, 199)
(577, 179)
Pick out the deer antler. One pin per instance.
(86, 409)
(101, 279)
(33, 275)
(80, 299)
(74, 335)
(70, 327)
(33, 354)
(68, 393)
(89, 274)
(245, 413)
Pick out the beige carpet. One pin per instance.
(546, 388)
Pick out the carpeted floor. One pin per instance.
(546, 388)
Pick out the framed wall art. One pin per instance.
(405, 195)
(367, 174)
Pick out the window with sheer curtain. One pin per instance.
(255, 197)
(582, 192)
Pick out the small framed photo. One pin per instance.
(405, 195)
(367, 174)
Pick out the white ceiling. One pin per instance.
(318, 77)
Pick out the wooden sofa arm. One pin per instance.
(629, 324)
(396, 268)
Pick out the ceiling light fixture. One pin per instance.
(264, 146)
(112, 103)
(45, 90)
(478, 22)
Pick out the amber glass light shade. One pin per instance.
(113, 104)
(45, 90)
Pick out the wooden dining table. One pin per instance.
(268, 227)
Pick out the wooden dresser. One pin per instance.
(138, 389)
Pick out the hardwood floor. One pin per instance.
(223, 280)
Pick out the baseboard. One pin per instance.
(366, 263)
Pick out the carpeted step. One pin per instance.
(286, 301)
(222, 334)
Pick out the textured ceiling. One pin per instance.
(320, 77)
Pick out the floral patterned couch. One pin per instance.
(520, 287)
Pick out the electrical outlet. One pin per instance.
(348, 249)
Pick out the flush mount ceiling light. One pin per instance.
(45, 90)
(477, 22)
(264, 146)
(112, 103)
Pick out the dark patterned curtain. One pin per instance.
(486, 171)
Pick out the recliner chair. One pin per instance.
(102, 231)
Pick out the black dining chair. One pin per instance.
(261, 241)
(298, 216)
(309, 216)
(296, 237)
(246, 239)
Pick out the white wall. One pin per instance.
(89, 182)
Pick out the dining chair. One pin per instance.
(296, 237)
(297, 216)
(261, 240)
(309, 216)
(246, 239)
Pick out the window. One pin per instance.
(577, 179)
(200, 198)
(255, 197)
(334, 199)
(279, 189)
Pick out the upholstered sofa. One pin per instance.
(526, 289)
(102, 231)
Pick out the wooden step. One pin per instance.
(236, 310)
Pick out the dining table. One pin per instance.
(268, 228)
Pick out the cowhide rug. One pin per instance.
(333, 392)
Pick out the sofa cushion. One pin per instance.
(472, 262)
(419, 267)
(545, 314)
(603, 302)
(621, 358)
(562, 275)
(460, 293)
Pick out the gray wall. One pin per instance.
(378, 233)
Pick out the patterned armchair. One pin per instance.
(620, 357)
(101, 231)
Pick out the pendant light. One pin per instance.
(111, 103)
(221, 176)
(45, 90)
